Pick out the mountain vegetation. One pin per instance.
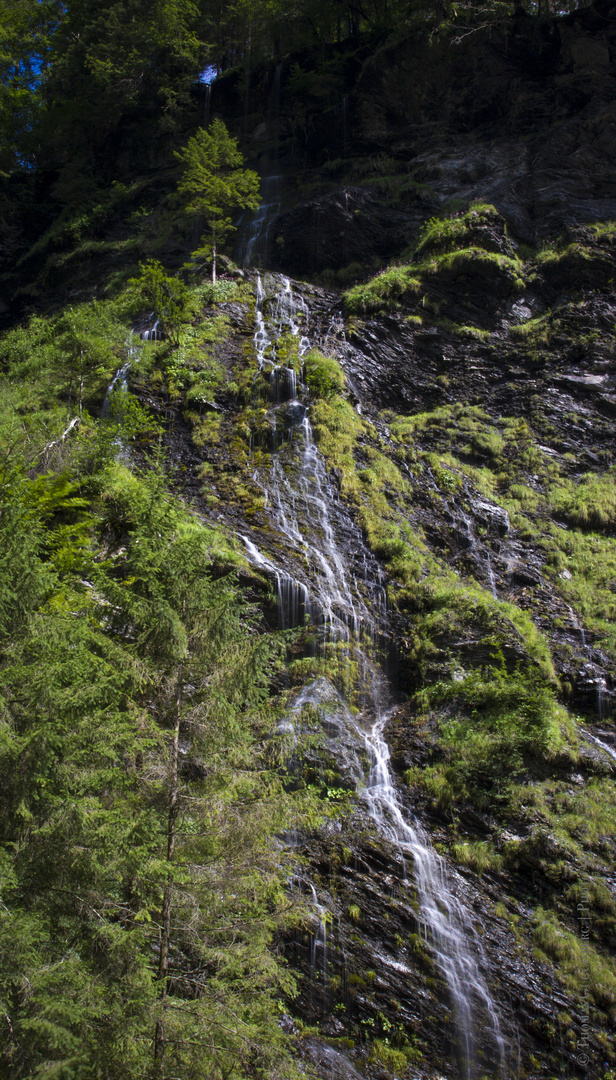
(190, 882)
(140, 887)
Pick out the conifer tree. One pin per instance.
(89, 343)
(215, 184)
(112, 64)
(139, 894)
(205, 673)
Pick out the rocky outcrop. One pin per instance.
(340, 228)
(485, 374)
(522, 116)
(504, 424)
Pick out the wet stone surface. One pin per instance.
(368, 960)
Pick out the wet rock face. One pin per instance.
(391, 366)
(337, 229)
(368, 981)
(368, 973)
(527, 123)
(557, 167)
(492, 518)
(522, 116)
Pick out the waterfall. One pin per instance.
(261, 338)
(318, 951)
(607, 749)
(143, 331)
(306, 510)
(253, 244)
(255, 231)
(446, 924)
(601, 695)
(575, 622)
(491, 577)
(152, 333)
(118, 383)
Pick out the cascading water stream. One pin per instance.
(446, 924)
(605, 747)
(254, 231)
(318, 952)
(305, 509)
(118, 383)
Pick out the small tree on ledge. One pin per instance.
(214, 185)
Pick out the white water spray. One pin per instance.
(305, 510)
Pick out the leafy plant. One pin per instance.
(169, 298)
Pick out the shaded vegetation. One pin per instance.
(149, 776)
(135, 706)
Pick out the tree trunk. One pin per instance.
(214, 262)
(80, 379)
(163, 962)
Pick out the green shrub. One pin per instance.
(171, 301)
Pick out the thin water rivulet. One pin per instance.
(305, 508)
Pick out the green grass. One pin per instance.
(554, 253)
(447, 418)
(588, 503)
(537, 331)
(336, 428)
(491, 726)
(604, 230)
(474, 332)
(398, 285)
(393, 1060)
(384, 292)
(500, 457)
(448, 246)
(378, 489)
(506, 446)
(478, 855)
(324, 376)
(590, 558)
(579, 265)
(578, 965)
(469, 260)
(440, 234)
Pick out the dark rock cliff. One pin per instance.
(481, 398)
(522, 116)
(510, 421)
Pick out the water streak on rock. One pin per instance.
(304, 507)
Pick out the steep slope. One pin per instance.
(359, 146)
(419, 500)
(405, 493)
(453, 458)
